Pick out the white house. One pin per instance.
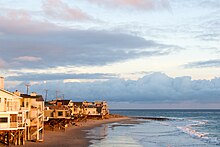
(12, 117)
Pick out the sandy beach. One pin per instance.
(72, 136)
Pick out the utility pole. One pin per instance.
(57, 94)
(46, 95)
(27, 85)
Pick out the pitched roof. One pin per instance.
(10, 93)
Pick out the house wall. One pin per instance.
(5, 124)
(48, 113)
(10, 108)
(34, 117)
(9, 102)
(90, 111)
(76, 110)
(32, 105)
(60, 116)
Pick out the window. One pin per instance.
(26, 104)
(3, 119)
(27, 115)
(0, 100)
(22, 105)
(13, 118)
(60, 113)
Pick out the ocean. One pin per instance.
(184, 128)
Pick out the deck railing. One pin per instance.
(13, 124)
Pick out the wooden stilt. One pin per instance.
(19, 138)
(7, 138)
(23, 137)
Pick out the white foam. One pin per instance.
(187, 129)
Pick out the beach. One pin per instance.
(73, 136)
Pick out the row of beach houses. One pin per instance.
(23, 116)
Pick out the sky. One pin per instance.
(131, 53)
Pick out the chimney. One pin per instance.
(33, 94)
(2, 83)
(17, 93)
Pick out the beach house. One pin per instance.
(97, 108)
(12, 117)
(77, 109)
(57, 109)
(34, 103)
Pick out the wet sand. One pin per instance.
(72, 136)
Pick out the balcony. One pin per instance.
(24, 108)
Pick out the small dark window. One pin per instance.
(3, 119)
(22, 105)
(13, 118)
(60, 113)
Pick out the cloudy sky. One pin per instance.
(132, 53)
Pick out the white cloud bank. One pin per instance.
(156, 88)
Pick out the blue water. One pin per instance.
(185, 128)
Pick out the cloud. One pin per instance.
(210, 4)
(28, 58)
(137, 4)
(62, 46)
(57, 76)
(22, 37)
(2, 63)
(20, 22)
(203, 64)
(155, 88)
(61, 10)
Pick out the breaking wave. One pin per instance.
(188, 129)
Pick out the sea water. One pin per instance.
(184, 128)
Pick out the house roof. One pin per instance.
(37, 97)
(64, 102)
(10, 93)
(48, 104)
(58, 107)
(79, 104)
